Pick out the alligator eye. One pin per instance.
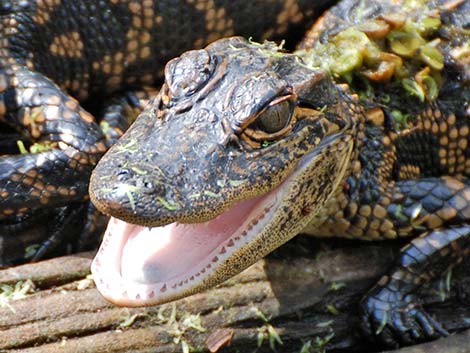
(275, 118)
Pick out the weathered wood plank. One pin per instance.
(306, 296)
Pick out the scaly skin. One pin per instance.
(72, 73)
(246, 146)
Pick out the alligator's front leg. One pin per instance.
(391, 310)
(67, 140)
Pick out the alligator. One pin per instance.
(247, 145)
(72, 76)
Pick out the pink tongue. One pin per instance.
(160, 254)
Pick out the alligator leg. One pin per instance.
(67, 140)
(439, 206)
(392, 309)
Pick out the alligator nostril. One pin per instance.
(150, 188)
(124, 174)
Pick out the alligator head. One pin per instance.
(237, 154)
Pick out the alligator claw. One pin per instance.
(393, 319)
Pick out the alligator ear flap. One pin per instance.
(319, 90)
(312, 86)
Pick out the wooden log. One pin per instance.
(299, 297)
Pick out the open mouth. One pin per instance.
(137, 265)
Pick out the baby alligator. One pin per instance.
(67, 66)
(246, 146)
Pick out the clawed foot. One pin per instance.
(393, 319)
